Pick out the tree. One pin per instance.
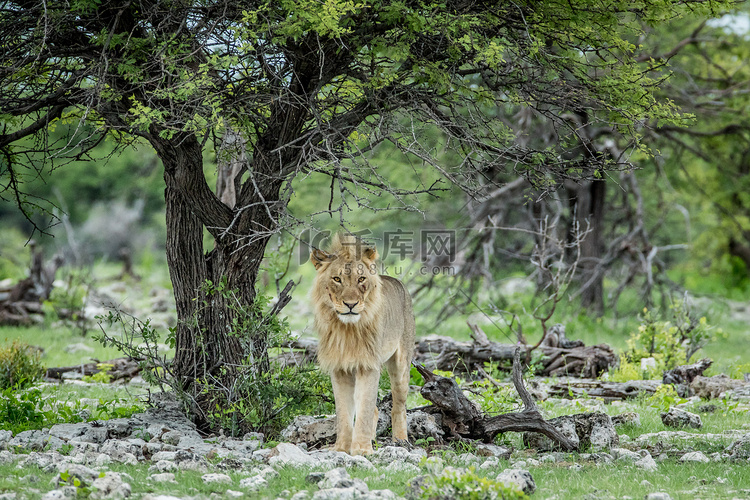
(309, 87)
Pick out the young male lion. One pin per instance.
(364, 321)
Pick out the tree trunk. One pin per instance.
(206, 347)
(587, 199)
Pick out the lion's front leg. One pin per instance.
(343, 395)
(365, 400)
(398, 371)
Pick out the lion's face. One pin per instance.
(346, 283)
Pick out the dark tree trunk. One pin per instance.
(206, 347)
(587, 199)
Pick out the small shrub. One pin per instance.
(463, 484)
(671, 342)
(665, 397)
(102, 376)
(20, 365)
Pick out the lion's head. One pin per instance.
(347, 285)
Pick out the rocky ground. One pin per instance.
(84, 455)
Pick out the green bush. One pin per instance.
(672, 342)
(20, 365)
(264, 401)
(462, 484)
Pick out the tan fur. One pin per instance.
(364, 321)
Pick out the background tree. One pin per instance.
(308, 87)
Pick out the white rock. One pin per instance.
(216, 479)
(646, 463)
(265, 472)
(290, 455)
(337, 478)
(676, 417)
(401, 466)
(490, 463)
(234, 494)
(517, 477)
(624, 455)
(164, 477)
(64, 493)
(388, 454)
(648, 364)
(163, 466)
(109, 486)
(253, 483)
(164, 455)
(695, 456)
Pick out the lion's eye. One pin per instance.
(361, 279)
(337, 279)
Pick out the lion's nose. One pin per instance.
(351, 305)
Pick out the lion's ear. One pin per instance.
(319, 257)
(370, 254)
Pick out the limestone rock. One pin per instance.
(676, 417)
(64, 493)
(79, 432)
(625, 455)
(658, 496)
(109, 486)
(164, 477)
(311, 430)
(290, 455)
(647, 463)
(593, 429)
(389, 454)
(628, 418)
(421, 425)
(713, 387)
(740, 449)
(216, 479)
(518, 477)
(253, 483)
(695, 456)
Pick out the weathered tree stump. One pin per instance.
(682, 376)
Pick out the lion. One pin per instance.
(364, 321)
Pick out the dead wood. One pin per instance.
(609, 391)
(444, 353)
(463, 420)
(122, 368)
(21, 304)
(685, 374)
(298, 352)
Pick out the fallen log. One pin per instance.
(608, 391)
(461, 419)
(122, 368)
(444, 353)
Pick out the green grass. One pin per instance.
(53, 340)
(681, 481)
